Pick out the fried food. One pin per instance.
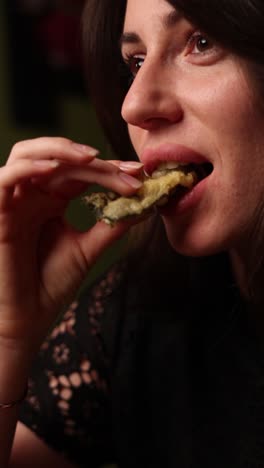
(155, 191)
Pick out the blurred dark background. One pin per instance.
(42, 88)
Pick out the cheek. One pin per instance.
(238, 129)
(229, 118)
(240, 120)
(136, 135)
(225, 108)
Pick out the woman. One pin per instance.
(160, 363)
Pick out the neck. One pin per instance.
(249, 274)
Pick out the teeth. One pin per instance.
(165, 166)
(168, 165)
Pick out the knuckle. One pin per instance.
(16, 150)
(16, 147)
(62, 142)
(61, 145)
(45, 145)
(51, 142)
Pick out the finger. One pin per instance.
(61, 188)
(130, 167)
(6, 195)
(21, 171)
(52, 148)
(102, 235)
(107, 176)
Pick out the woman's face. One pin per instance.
(190, 101)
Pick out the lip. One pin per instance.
(152, 157)
(186, 203)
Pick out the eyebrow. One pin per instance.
(129, 38)
(168, 21)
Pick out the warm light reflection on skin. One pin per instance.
(191, 92)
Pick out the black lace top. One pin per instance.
(120, 380)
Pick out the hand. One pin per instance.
(43, 260)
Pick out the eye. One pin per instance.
(134, 63)
(201, 44)
(202, 50)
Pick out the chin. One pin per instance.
(189, 245)
(194, 251)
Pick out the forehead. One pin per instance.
(141, 13)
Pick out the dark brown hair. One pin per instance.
(236, 24)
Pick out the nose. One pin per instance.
(152, 100)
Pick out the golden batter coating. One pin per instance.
(111, 207)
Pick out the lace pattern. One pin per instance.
(68, 401)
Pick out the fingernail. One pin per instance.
(127, 165)
(46, 162)
(128, 179)
(86, 150)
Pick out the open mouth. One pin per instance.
(201, 171)
(168, 182)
